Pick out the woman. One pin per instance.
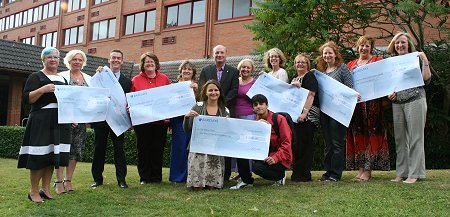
(332, 64)
(367, 143)
(305, 127)
(75, 60)
(180, 139)
(46, 144)
(274, 59)
(206, 170)
(409, 108)
(244, 110)
(150, 137)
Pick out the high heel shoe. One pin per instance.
(56, 189)
(69, 182)
(37, 202)
(43, 195)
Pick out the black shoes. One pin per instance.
(96, 184)
(123, 185)
(43, 195)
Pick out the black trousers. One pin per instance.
(334, 150)
(243, 167)
(303, 151)
(98, 162)
(272, 172)
(150, 141)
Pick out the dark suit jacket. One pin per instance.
(126, 86)
(229, 83)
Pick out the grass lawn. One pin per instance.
(379, 197)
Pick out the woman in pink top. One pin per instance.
(150, 137)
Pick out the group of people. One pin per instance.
(221, 91)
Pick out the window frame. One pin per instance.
(99, 32)
(191, 18)
(79, 34)
(251, 5)
(54, 39)
(145, 20)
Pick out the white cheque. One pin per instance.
(230, 137)
(282, 97)
(390, 75)
(336, 100)
(160, 103)
(77, 104)
(117, 115)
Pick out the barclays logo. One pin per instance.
(208, 120)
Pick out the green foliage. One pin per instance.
(11, 140)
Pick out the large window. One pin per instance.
(234, 8)
(103, 29)
(73, 35)
(140, 22)
(49, 39)
(73, 5)
(30, 40)
(40, 12)
(10, 1)
(96, 2)
(185, 13)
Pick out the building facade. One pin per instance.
(172, 29)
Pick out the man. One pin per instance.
(228, 77)
(280, 154)
(102, 130)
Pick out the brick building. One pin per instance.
(172, 29)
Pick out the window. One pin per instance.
(30, 40)
(103, 29)
(73, 5)
(73, 35)
(235, 8)
(185, 13)
(10, 1)
(2, 21)
(96, 2)
(140, 22)
(49, 39)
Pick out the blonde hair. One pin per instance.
(69, 56)
(364, 39)
(308, 62)
(391, 48)
(280, 54)
(321, 64)
(242, 62)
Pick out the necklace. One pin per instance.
(361, 62)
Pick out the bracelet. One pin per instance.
(426, 65)
(305, 109)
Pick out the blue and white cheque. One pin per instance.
(390, 75)
(230, 137)
(81, 104)
(116, 115)
(282, 97)
(160, 103)
(336, 100)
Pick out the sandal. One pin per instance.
(69, 184)
(56, 184)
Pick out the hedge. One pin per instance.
(11, 139)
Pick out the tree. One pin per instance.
(302, 26)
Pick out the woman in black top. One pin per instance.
(46, 144)
(306, 124)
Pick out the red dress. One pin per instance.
(367, 144)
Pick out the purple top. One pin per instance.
(243, 102)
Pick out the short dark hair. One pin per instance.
(259, 99)
(117, 51)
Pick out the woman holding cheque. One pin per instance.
(150, 137)
(367, 143)
(46, 144)
(204, 170)
(409, 108)
(303, 151)
(180, 139)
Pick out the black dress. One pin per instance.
(45, 142)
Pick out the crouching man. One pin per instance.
(280, 153)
